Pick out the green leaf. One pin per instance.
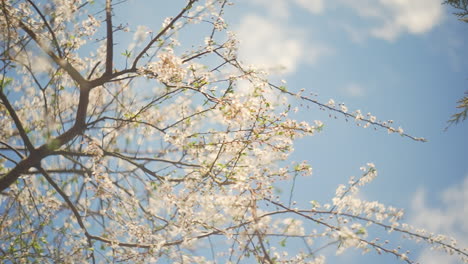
(283, 242)
(5, 82)
(127, 53)
(361, 231)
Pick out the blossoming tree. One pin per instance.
(154, 152)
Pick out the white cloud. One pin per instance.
(313, 6)
(140, 35)
(395, 17)
(384, 19)
(276, 8)
(432, 257)
(268, 44)
(449, 219)
(416, 16)
(281, 8)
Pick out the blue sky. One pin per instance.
(400, 60)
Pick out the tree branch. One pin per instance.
(162, 32)
(17, 121)
(72, 208)
(34, 159)
(54, 38)
(64, 64)
(48, 148)
(110, 41)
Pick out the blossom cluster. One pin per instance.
(168, 69)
